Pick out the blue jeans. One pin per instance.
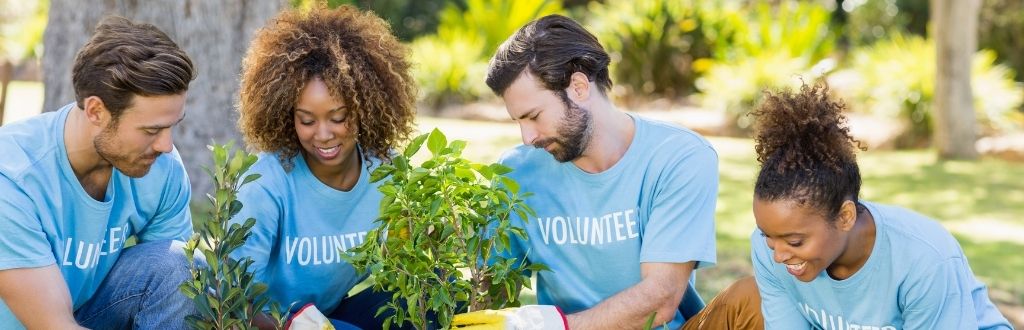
(141, 291)
(357, 312)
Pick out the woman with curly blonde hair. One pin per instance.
(325, 96)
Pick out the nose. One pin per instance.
(164, 141)
(781, 255)
(528, 133)
(323, 132)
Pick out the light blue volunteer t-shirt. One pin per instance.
(302, 227)
(916, 277)
(47, 218)
(656, 204)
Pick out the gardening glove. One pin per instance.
(308, 318)
(532, 317)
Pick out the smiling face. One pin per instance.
(546, 119)
(325, 130)
(800, 237)
(142, 132)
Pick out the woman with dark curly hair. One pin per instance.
(325, 97)
(825, 259)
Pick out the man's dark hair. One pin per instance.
(124, 59)
(552, 48)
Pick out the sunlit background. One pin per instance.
(704, 64)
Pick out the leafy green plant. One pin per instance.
(654, 44)
(21, 29)
(763, 46)
(225, 293)
(448, 72)
(490, 22)
(799, 29)
(734, 88)
(441, 225)
(408, 18)
(896, 78)
(451, 65)
(999, 29)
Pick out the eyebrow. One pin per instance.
(164, 126)
(311, 113)
(783, 236)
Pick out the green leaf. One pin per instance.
(250, 178)
(510, 184)
(415, 145)
(500, 169)
(436, 141)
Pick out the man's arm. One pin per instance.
(38, 297)
(660, 290)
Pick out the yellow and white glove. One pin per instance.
(309, 318)
(532, 317)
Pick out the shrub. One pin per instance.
(769, 47)
(734, 88)
(448, 72)
(999, 29)
(896, 78)
(451, 65)
(409, 19)
(653, 44)
(225, 293)
(440, 222)
(799, 29)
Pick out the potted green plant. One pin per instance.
(442, 224)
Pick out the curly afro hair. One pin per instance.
(806, 152)
(355, 55)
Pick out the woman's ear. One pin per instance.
(847, 216)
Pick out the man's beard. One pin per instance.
(574, 132)
(105, 145)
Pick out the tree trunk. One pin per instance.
(215, 35)
(6, 71)
(955, 24)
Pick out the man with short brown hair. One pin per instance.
(76, 183)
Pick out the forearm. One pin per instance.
(629, 309)
(660, 291)
(38, 297)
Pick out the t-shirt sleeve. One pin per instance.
(174, 218)
(681, 224)
(777, 306)
(23, 243)
(258, 203)
(939, 297)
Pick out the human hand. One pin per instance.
(308, 318)
(532, 317)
